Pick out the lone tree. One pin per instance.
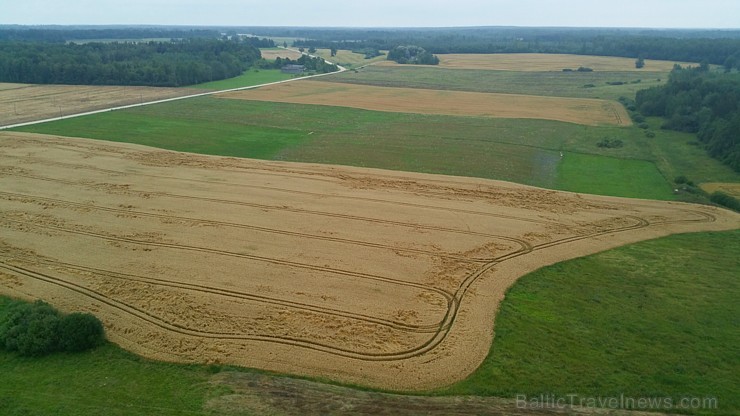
(639, 63)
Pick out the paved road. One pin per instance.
(123, 107)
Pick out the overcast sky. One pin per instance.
(371, 13)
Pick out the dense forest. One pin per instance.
(700, 101)
(176, 63)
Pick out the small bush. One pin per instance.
(610, 143)
(35, 329)
(80, 332)
(679, 180)
(589, 86)
(643, 126)
(637, 117)
(649, 134)
(567, 70)
(585, 69)
(615, 83)
(721, 198)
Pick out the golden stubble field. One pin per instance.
(546, 62)
(381, 278)
(441, 102)
(25, 102)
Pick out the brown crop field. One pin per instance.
(24, 102)
(546, 62)
(271, 54)
(426, 101)
(381, 278)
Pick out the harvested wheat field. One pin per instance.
(271, 54)
(25, 102)
(458, 103)
(732, 189)
(381, 278)
(546, 62)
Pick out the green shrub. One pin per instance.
(80, 332)
(610, 143)
(649, 134)
(725, 200)
(35, 329)
(683, 180)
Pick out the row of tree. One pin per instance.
(175, 63)
(697, 100)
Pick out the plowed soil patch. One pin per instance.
(381, 278)
(424, 101)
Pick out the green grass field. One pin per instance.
(247, 79)
(525, 151)
(603, 175)
(557, 84)
(653, 319)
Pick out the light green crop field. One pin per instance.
(247, 79)
(602, 175)
(557, 84)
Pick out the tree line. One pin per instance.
(697, 100)
(170, 64)
(712, 46)
(62, 34)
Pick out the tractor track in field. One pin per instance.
(148, 194)
(296, 192)
(26, 198)
(439, 333)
